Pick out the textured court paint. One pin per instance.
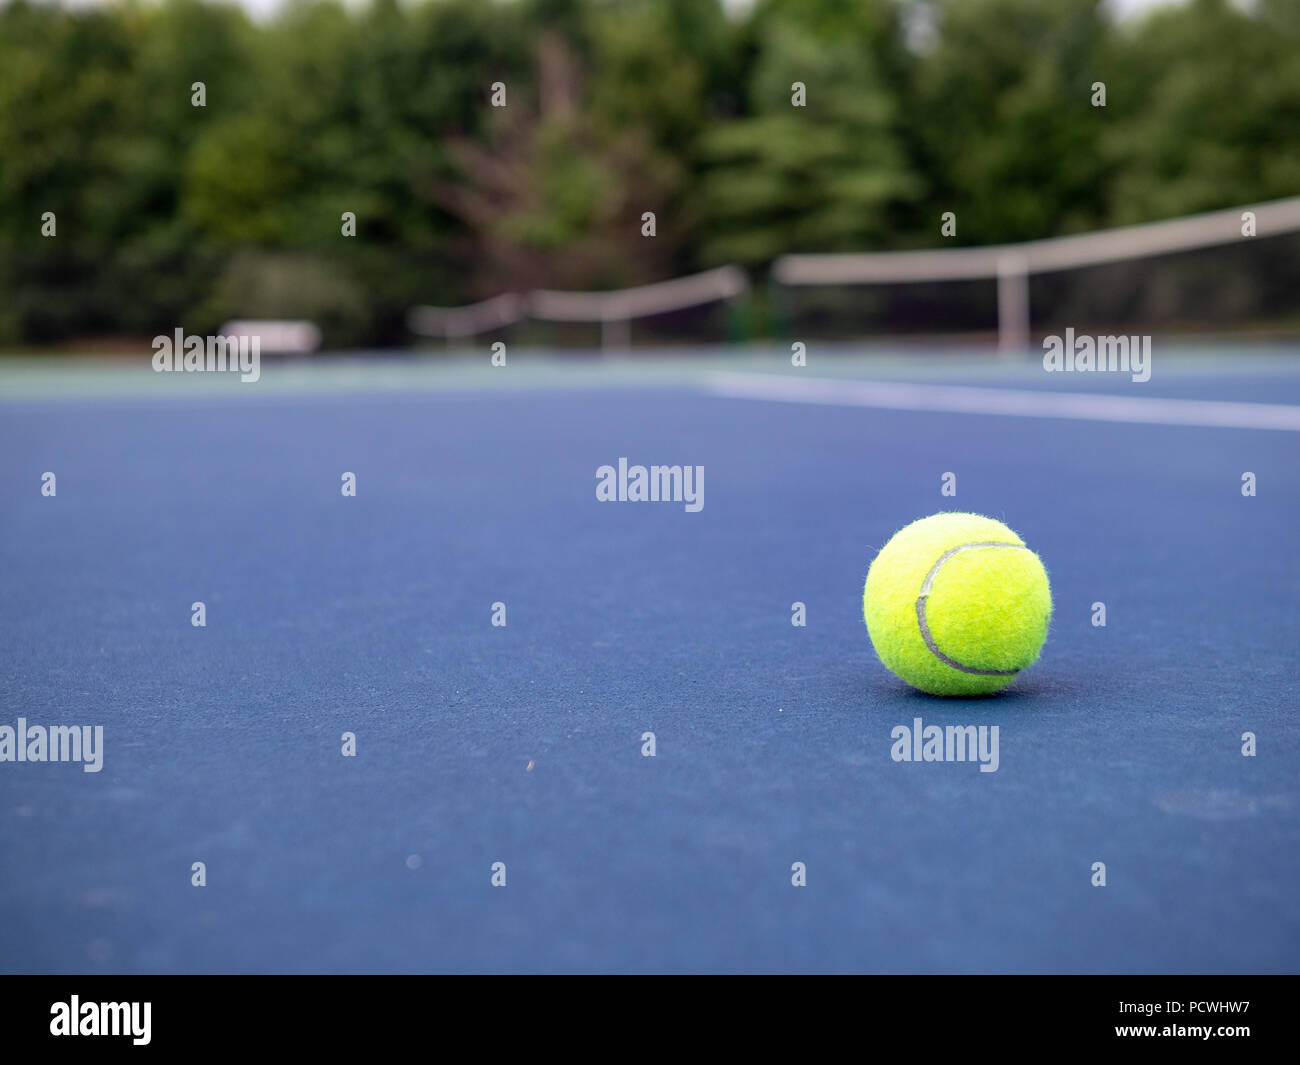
(951, 620)
(364, 613)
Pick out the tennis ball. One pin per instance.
(956, 604)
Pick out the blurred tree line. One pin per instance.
(172, 214)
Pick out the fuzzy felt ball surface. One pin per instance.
(956, 604)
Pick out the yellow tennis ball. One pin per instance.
(956, 604)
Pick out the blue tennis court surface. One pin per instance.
(522, 744)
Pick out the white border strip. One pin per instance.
(962, 399)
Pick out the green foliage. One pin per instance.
(821, 176)
(1220, 131)
(88, 132)
(170, 214)
(1006, 121)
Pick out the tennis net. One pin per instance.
(1196, 273)
(698, 308)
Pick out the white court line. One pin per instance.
(963, 399)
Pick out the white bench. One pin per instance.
(277, 337)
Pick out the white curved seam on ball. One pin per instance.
(925, 594)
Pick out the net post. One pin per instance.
(1013, 303)
(615, 334)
